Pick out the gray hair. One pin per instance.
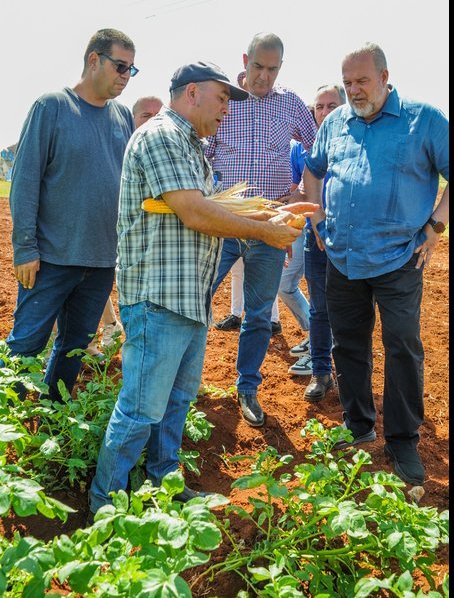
(148, 98)
(373, 50)
(268, 41)
(340, 91)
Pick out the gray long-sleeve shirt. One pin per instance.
(66, 179)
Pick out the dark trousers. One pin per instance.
(351, 309)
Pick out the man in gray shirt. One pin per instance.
(64, 205)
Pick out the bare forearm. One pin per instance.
(313, 187)
(441, 212)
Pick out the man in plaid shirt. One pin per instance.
(166, 268)
(253, 144)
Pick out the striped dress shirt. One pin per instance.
(253, 142)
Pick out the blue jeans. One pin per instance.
(75, 296)
(289, 290)
(162, 360)
(262, 274)
(319, 326)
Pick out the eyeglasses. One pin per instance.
(121, 67)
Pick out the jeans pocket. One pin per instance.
(154, 307)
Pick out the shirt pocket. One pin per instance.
(277, 139)
(393, 236)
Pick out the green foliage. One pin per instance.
(327, 527)
(136, 547)
(59, 441)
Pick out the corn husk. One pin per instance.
(233, 200)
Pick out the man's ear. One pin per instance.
(191, 92)
(93, 59)
(245, 60)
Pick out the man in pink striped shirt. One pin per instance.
(253, 144)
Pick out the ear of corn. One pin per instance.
(231, 199)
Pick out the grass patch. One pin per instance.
(5, 186)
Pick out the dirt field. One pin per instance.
(282, 395)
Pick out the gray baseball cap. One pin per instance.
(205, 71)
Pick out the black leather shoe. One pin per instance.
(189, 493)
(406, 463)
(318, 387)
(251, 410)
(276, 328)
(231, 322)
(370, 436)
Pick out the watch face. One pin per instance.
(438, 227)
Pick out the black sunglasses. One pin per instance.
(121, 67)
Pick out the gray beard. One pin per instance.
(364, 112)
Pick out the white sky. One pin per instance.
(43, 42)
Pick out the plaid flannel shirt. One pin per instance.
(253, 142)
(159, 259)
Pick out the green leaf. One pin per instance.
(367, 585)
(393, 539)
(5, 500)
(120, 501)
(50, 448)
(78, 574)
(34, 589)
(173, 482)
(8, 432)
(259, 573)
(160, 585)
(205, 535)
(405, 582)
(250, 481)
(172, 531)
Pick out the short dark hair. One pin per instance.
(268, 41)
(102, 41)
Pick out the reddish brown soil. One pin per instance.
(282, 397)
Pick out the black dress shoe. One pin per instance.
(189, 493)
(406, 463)
(251, 410)
(318, 387)
(231, 322)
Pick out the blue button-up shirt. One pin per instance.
(383, 184)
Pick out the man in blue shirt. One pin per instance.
(384, 154)
(64, 207)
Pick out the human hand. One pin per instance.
(26, 273)
(427, 248)
(318, 216)
(279, 234)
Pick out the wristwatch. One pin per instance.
(437, 225)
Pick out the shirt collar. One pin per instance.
(392, 105)
(183, 124)
(275, 90)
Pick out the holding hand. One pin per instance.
(26, 273)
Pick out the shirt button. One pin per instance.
(351, 225)
(350, 249)
(352, 205)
